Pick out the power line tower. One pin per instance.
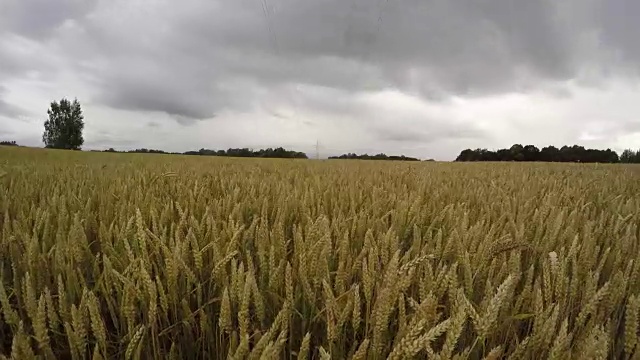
(317, 149)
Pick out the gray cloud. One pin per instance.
(154, 95)
(18, 57)
(104, 140)
(180, 56)
(37, 18)
(9, 110)
(424, 136)
(316, 66)
(619, 24)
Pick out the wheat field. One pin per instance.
(129, 256)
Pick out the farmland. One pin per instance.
(142, 256)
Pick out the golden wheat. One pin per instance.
(151, 257)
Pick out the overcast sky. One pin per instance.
(424, 78)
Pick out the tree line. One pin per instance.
(231, 152)
(278, 152)
(8, 143)
(351, 156)
(574, 153)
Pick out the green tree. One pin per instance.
(517, 152)
(63, 129)
(630, 157)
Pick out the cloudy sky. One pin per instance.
(425, 78)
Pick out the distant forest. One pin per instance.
(573, 153)
(516, 152)
(241, 152)
(374, 157)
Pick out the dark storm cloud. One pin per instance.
(130, 94)
(389, 31)
(175, 58)
(458, 46)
